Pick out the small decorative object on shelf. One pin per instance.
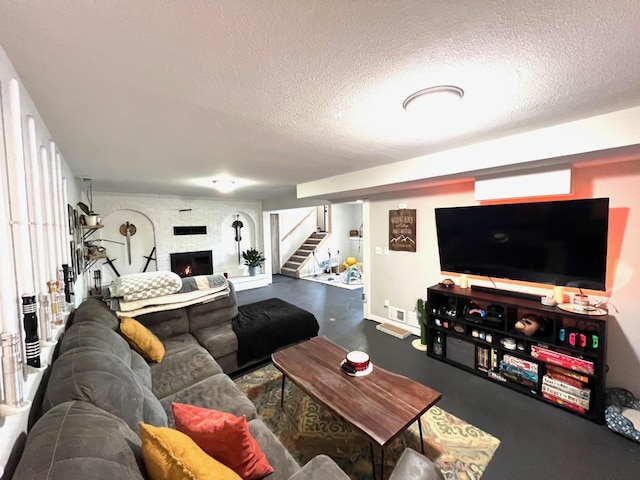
(30, 323)
(11, 371)
(62, 299)
(56, 314)
(67, 273)
(45, 318)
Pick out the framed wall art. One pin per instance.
(402, 230)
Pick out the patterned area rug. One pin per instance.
(306, 428)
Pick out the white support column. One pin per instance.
(62, 213)
(66, 220)
(48, 214)
(8, 296)
(53, 160)
(18, 194)
(35, 210)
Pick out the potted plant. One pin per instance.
(253, 259)
(90, 217)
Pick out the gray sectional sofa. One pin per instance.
(99, 390)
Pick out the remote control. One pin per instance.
(348, 368)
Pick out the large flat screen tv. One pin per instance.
(559, 243)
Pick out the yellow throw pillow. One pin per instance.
(171, 455)
(141, 339)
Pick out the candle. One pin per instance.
(558, 295)
(464, 282)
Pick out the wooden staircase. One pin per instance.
(292, 267)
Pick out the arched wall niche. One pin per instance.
(129, 238)
(229, 248)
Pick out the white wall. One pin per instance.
(166, 212)
(403, 277)
(23, 136)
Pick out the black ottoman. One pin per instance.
(264, 327)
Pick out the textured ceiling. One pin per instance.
(153, 96)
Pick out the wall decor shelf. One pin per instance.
(562, 363)
(90, 259)
(88, 230)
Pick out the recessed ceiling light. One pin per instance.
(433, 99)
(224, 185)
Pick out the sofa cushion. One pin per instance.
(141, 368)
(141, 339)
(99, 378)
(79, 440)
(167, 323)
(218, 312)
(219, 340)
(322, 467)
(94, 335)
(152, 410)
(172, 455)
(94, 309)
(178, 343)
(223, 436)
(217, 392)
(411, 464)
(181, 370)
(284, 465)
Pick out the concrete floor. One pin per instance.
(538, 441)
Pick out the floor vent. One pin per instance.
(393, 330)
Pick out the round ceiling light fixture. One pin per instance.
(433, 99)
(224, 185)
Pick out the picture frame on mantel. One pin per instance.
(402, 230)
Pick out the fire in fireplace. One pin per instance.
(188, 264)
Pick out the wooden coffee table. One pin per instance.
(381, 405)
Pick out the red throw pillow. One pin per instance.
(225, 437)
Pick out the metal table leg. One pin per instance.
(282, 392)
(373, 462)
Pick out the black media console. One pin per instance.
(563, 363)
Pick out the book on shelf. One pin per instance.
(584, 393)
(562, 359)
(564, 396)
(519, 375)
(559, 401)
(520, 363)
(559, 371)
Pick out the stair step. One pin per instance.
(288, 272)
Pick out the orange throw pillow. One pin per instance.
(225, 437)
(141, 339)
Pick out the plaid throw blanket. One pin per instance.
(204, 282)
(138, 286)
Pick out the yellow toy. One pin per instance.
(349, 262)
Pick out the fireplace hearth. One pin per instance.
(188, 264)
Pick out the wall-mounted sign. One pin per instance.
(402, 230)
